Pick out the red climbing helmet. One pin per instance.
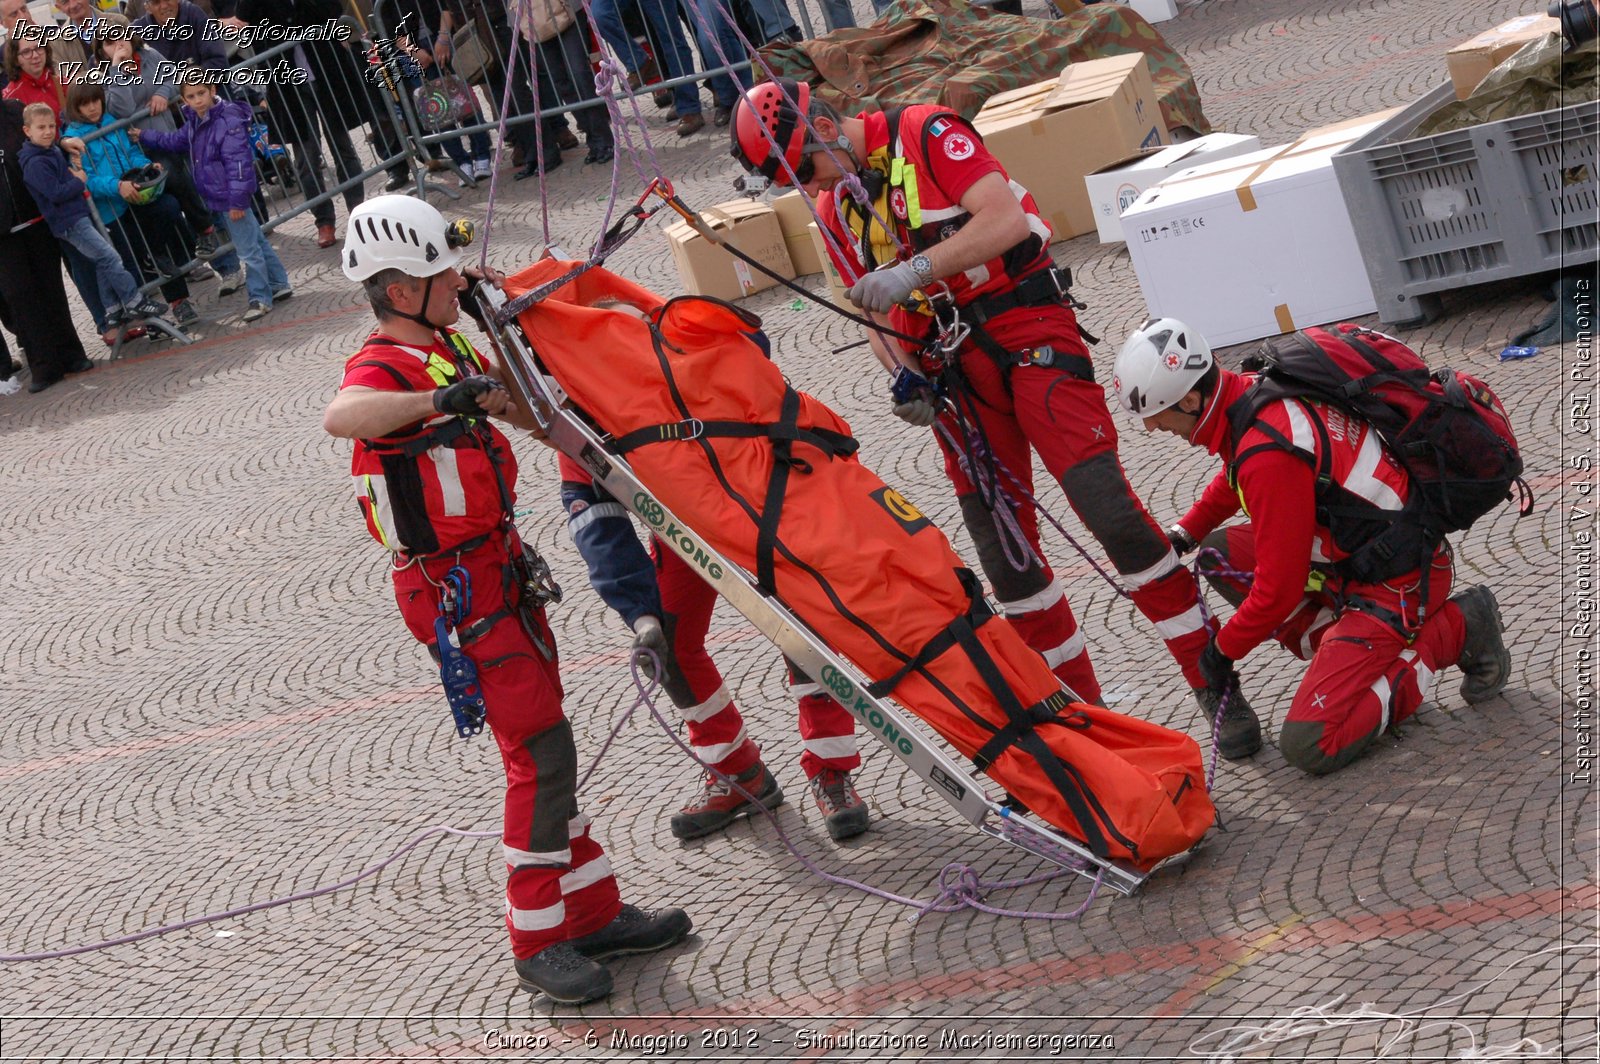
(771, 105)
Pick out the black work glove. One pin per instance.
(462, 396)
(1180, 539)
(1217, 669)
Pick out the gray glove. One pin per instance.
(918, 410)
(649, 635)
(882, 289)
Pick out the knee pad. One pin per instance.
(1231, 592)
(555, 800)
(1106, 505)
(1009, 584)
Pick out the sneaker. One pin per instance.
(718, 805)
(1238, 732)
(115, 316)
(200, 273)
(842, 808)
(207, 245)
(482, 168)
(231, 282)
(325, 236)
(147, 307)
(1484, 658)
(280, 294)
(256, 310)
(564, 975)
(634, 931)
(183, 313)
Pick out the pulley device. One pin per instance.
(903, 734)
(456, 671)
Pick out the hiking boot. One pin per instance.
(691, 124)
(1484, 657)
(718, 805)
(842, 808)
(634, 931)
(564, 975)
(1238, 732)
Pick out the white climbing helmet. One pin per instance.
(1159, 365)
(397, 232)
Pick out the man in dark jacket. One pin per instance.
(183, 33)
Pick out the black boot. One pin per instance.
(564, 975)
(1239, 731)
(634, 931)
(1484, 658)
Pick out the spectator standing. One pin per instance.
(60, 190)
(673, 55)
(30, 269)
(31, 76)
(136, 81)
(183, 33)
(148, 232)
(216, 134)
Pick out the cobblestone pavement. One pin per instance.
(210, 702)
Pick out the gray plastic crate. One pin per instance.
(1502, 199)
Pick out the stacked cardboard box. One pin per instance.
(1050, 135)
(1471, 61)
(709, 270)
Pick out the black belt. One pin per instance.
(1048, 287)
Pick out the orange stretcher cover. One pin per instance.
(857, 562)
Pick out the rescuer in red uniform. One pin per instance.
(1372, 659)
(972, 241)
(435, 480)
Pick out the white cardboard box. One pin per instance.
(1253, 246)
(1113, 189)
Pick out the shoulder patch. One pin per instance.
(958, 146)
(938, 127)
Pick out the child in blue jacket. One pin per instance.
(58, 187)
(149, 232)
(216, 134)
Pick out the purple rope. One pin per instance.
(968, 891)
(850, 180)
(416, 840)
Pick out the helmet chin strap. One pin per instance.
(427, 293)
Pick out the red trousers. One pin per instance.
(1067, 421)
(716, 730)
(559, 884)
(1365, 674)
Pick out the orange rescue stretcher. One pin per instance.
(680, 415)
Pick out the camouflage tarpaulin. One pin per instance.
(949, 53)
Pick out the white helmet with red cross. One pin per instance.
(1159, 365)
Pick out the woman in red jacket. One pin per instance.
(31, 76)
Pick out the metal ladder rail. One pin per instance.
(902, 734)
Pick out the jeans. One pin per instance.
(774, 18)
(673, 55)
(264, 273)
(115, 284)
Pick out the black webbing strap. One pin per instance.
(833, 444)
(977, 613)
(783, 434)
(1046, 712)
(442, 435)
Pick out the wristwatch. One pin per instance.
(923, 267)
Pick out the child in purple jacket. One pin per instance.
(216, 134)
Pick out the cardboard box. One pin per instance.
(1113, 189)
(1471, 61)
(795, 219)
(1253, 246)
(1049, 135)
(708, 270)
(836, 285)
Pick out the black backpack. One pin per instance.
(1448, 430)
